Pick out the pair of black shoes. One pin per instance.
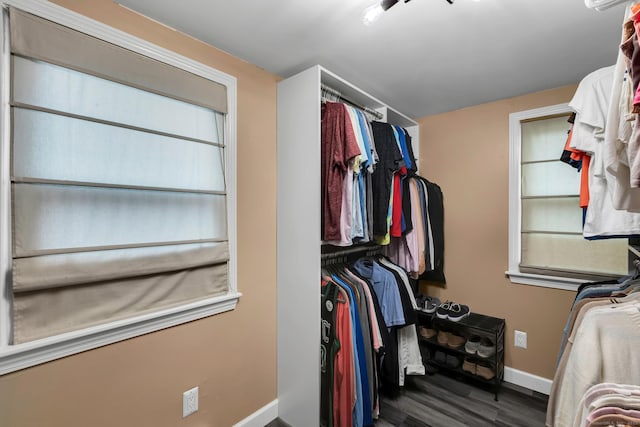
(447, 360)
(452, 311)
(427, 303)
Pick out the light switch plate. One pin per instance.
(189, 402)
(520, 339)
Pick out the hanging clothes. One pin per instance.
(579, 160)
(395, 295)
(599, 345)
(386, 289)
(349, 157)
(362, 413)
(605, 129)
(369, 339)
(378, 198)
(435, 224)
(343, 384)
(328, 351)
(404, 220)
(339, 149)
(420, 251)
(604, 350)
(390, 161)
(610, 404)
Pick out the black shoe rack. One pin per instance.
(452, 360)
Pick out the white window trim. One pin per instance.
(515, 218)
(15, 357)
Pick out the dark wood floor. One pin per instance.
(440, 401)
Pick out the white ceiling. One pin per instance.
(422, 57)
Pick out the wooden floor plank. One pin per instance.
(441, 401)
(449, 405)
(413, 422)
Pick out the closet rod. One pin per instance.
(336, 93)
(368, 250)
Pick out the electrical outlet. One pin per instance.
(520, 339)
(189, 402)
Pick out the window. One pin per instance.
(546, 246)
(118, 194)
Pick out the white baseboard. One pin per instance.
(527, 380)
(261, 417)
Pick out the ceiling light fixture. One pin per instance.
(372, 13)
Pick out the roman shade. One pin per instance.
(38, 38)
(118, 182)
(551, 240)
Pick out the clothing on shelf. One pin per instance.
(369, 339)
(600, 345)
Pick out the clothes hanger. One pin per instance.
(636, 264)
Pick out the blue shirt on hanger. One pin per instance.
(386, 289)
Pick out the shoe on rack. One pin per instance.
(469, 366)
(420, 301)
(443, 310)
(443, 338)
(472, 344)
(429, 369)
(486, 348)
(455, 341)
(485, 371)
(440, 357)
(431, 304)
(427, 333)
(452, 361)
(457, 312)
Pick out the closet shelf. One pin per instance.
(460, 351)
(472, 321)
(358, 96)
(461, 372)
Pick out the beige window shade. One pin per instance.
(572, 253)
(57, 310)
(551, 218)
(38, 38)
(118, 206)
(82, 268)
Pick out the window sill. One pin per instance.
(13, 358)
(553, 282)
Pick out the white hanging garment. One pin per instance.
(601, 5)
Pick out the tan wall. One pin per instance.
(466, 152)
(231, 357)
